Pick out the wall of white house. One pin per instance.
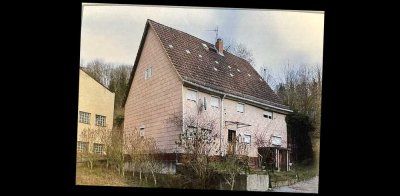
(261, 127)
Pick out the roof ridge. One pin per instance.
(181, 32)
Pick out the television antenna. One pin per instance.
(216, 32)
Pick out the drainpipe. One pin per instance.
(221, 124)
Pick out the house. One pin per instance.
(95, 113)
(177, 74)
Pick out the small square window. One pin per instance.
(240, 107)
(215, 102)
(191, 95)
(267, 115)
(141, 131)
(100, 120)
(276, 140)
(148, 73)
(84, 117)
(247, 138)
(98, 148)
(82, 146)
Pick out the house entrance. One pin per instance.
(231, 141)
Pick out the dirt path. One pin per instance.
(308, 186)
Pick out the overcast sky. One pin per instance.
(113, 32)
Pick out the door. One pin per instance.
(231, 141)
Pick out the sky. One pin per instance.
(112, 33)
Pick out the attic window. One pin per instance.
(187, 51)
(204, 46)
(231, 74)
(200, 56)
(238, 70)
(216, 62)
(229, 66)
(267, 115)
(249, 75)
(171, 46)
(215, 69)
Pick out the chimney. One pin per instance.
(219, 45)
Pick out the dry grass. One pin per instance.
(99, 177)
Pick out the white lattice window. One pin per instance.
(98, 148)
(82, 146)
(84, 117)
(100, 120)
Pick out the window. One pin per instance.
(148, 73)
(247, 138)
(98, 148)
(100, 120)
(276, 140)
(268, 115)
(82, 146)
(231, 135)
(240, 107)
(215, 102)
(191, 95)
(190, 131)
(141, 131)
(84, 117)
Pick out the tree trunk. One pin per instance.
(233, 183)
(91, 165)
(154, 178)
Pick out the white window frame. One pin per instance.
(98, 148)
(190, 98)
(274, 140)
(270, 115)
(82, 146)
(218, 101)
(244, 138)
(237, 107)
(84, 117)
(148, 73)
(100, 120)
(141, 131)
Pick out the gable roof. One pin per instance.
(197, 65)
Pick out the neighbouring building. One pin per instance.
(95, 112)
(177, 75)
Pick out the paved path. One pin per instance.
(308, 186)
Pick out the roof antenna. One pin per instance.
(216, 32)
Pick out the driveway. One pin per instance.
(308, 186)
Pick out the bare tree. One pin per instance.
(301, 89)
(114, 150)
(240, 50)
(144, 154)
(99, 71)
(91, 136)
(198, 142)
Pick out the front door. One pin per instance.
(231, 141)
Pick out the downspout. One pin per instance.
(221, 124)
